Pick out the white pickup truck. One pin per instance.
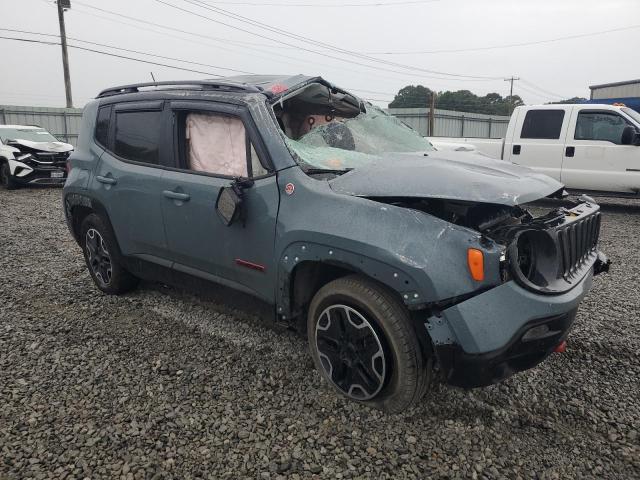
(591, 148)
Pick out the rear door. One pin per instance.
(128, 180)
(213, 144)
(538, 140)
(595, 159)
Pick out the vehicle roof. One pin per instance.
(551, 106)
(23, 127)
(270, 85)
(268, 82)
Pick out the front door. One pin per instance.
(212, 147)
(595, 159)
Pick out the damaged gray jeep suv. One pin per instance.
(397, 260)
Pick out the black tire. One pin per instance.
(102, 256)
(6, 179)
(406, 373)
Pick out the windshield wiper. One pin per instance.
(313, 171)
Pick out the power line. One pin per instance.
(128, 50)
(270, 54)
(337, 5)
(531, 85)
(166, 27)
(285, 33)
(534, 93)
(277, 57)
(28, 40)
(280, 31)
(510, 45)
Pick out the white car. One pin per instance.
(591, 148)
(31, 155)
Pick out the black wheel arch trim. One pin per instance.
(73, 201)
(298, 254)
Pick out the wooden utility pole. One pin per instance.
(432, 111)
(62, 5)
(512, 79)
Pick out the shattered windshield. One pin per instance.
(346, 143)
(328, 128)
(29, 134)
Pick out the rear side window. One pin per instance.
(545, 124)
(102, 125)
(137, 136)
(600, 126)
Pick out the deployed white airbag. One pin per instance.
(216, 144)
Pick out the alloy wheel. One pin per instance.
(98, 256)
(351, 352)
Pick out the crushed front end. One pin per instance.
(547, 269)
(38, 165)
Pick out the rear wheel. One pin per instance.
(363, 344)
(102, 259)
(6, 179)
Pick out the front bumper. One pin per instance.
(482, 340)
(33, 173)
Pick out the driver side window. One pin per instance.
(602, 126)
(217, 144)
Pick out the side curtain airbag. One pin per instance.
(217, 144)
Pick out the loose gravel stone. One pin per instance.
(162, 383)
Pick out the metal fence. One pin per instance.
(63, 123)
(448, 123)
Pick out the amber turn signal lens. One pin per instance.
(475, 259)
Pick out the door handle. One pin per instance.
(176, 195)
(106, 180)
(570, 151)
(516, 149)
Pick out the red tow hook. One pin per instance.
(561, 347)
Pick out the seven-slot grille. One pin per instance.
(51, 157)
(578, 241)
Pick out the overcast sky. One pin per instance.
(32, 73)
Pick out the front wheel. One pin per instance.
(6, 179)
(363, 344)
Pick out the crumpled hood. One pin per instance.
(55, 147)
(463, 176)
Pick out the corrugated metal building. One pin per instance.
(63, 123)
(449, 123)
(628, 89)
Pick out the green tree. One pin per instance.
(411, 96)
(462, 101)
(572, 100)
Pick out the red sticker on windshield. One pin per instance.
(289, 188)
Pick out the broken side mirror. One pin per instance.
(230, 205)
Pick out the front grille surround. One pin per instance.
(578, 243)
(53, 158)
(564, 251)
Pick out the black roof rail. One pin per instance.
(203, 84)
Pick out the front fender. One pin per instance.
(419, 256)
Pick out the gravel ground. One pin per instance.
(163, 384)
